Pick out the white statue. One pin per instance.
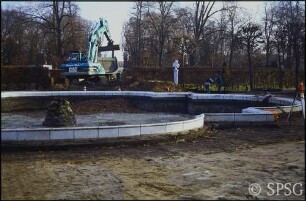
(175, 66)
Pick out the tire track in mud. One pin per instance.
(54, 180)
(174, 175)
(143, 178)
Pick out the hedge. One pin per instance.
(263, 78)
(24, 78)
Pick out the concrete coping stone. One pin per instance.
(123, 130)
(255, 111)
(156, 124)
(224, 97)
(190, 95)
(196, 117)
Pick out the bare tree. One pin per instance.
(76, 37)
(296, 26)
(53, 16)
(10, 21)
(29, 33)
(250, 37)
(269, 23)
(161, 19)
(236, 23)
(19, 38)
(134, 33)
(290, 36)
(202, 12)
(130, 41)
(139, 6)
(181, 36)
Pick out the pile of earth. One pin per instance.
(103, 106)
(59, 114)
(128, 84)
(151, 85)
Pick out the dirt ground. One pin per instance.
(127, 84)
(211, 163)
(216, 162)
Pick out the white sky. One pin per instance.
(116, 13)
(119, 12)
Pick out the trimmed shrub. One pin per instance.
(24, 78)
(263, 78)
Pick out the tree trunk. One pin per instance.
(231, 54)
(281, 71)
(250, 68)
(297, 62)
(267, 53)
(59, 44)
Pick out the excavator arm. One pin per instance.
(95, 38)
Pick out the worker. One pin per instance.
(219, 81)
(300, 89)
(207, 85)
(301, 95)
(175, 66)
(267, 97)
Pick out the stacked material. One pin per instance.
(59, 114)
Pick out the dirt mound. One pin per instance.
(128, 84)
(101, 106)
(59, 114)
(151, 85)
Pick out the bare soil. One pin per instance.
(127, 84)
(216, 162)
(210, 163)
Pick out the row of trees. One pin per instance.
(158, 32)
(38, 33)
(164, 30)
(204, 35)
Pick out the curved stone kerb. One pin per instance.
(190, 95)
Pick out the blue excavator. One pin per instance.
(90, 66)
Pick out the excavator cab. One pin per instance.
(76, 56)
(77, 66)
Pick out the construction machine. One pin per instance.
(90, 65)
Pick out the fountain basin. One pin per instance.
(184, 102)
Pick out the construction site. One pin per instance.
(185, 123)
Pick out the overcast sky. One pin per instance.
(117, 13)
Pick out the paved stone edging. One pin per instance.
(101, 131)
(250, 114)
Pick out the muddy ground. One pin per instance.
(211, 163)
